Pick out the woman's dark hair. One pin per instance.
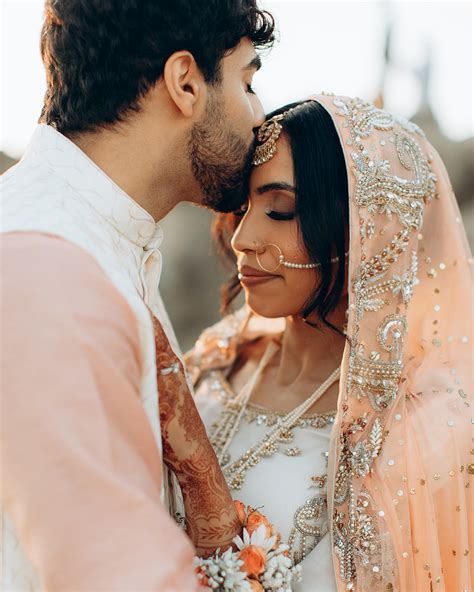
(322, 205)
(102, 56)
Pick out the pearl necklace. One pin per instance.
(231, 418)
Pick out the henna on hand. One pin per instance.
(211, 517)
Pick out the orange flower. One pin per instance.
(256, 586)
(241, 513)
(254, 559)
(255, 519)
(203, 581)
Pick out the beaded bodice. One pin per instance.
(290, 484)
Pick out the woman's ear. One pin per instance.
(184, 81)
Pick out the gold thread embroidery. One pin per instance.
(381, 197)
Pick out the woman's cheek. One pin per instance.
(300, 286)
(292, 246)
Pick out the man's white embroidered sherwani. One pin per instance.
(82, 475)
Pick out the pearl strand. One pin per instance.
(290, 265)
(294, 415)
(244, 398)
(287, 423)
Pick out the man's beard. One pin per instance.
(220, 159)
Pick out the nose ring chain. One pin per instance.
(282, 261)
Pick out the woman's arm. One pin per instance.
(212, 520)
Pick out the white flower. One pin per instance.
(282, 561)
(223, 572)
(279, 571)
(258, 538)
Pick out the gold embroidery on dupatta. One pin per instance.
(359, 536)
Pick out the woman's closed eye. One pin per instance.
(273, 214)
(280, 215)
(241, 211)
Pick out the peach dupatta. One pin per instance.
(399, 473)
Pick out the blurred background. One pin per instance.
(414, 58)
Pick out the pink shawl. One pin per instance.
(398, 485)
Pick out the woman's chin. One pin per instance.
(265, 308)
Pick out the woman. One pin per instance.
(337, 398)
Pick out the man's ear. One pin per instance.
(184, 82)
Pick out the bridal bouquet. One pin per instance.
(260, 563)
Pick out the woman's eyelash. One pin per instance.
(240, 212)
(281, 215)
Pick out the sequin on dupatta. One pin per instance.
(392, 207)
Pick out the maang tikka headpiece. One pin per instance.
(268, 134)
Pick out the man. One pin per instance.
(148, 103)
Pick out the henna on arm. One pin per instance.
(211, 518)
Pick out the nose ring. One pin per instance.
(264, 247)
(282, 261)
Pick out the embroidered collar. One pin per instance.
(83, 176)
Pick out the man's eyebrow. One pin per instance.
(254, 64)
(275, 187)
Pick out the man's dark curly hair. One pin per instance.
(102, 56)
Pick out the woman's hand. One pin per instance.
(211, 517)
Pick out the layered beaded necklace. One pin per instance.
(231, 417)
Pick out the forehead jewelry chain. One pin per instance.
(268, 134)
(282, 261)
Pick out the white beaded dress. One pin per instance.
(290, 485)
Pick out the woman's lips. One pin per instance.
(253, 280)
(249, 276)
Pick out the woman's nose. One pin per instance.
(244, 238)
(259, 113)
